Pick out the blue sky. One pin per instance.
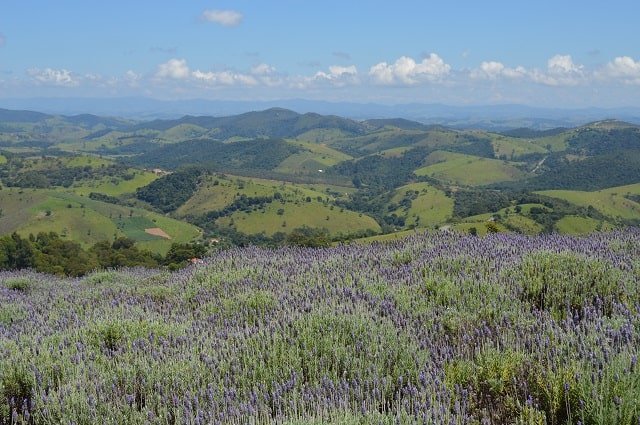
(546, 53)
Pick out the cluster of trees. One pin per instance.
(241, 203)
(599, 142)
(473, 202)
(49, 253)
(591, 173)
(472, 145)
(378, 171)
(259, 154)
(52, 172)
(170, 191)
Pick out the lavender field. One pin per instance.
(438, 328)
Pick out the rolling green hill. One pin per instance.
(282, 167)
(421, 205)
(29, 211)
(610, 202)
(468, 170)
(284, 217)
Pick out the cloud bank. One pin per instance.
(431, 78)
(407, 71)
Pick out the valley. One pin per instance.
(256, 177)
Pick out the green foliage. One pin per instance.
(492, 380)
(380, 171)
(258, 154)
(593, 141)
(470, 144)
(116, 335)
(326, 345)
(180, 253)
(566, 282)
(16, 252)
(492, 227)
(475, 202)
(309, 237)
(58, 256)
(21, 284)
(11, 313)
(49, 172)
(608, 169)
(170, 191)
(16, 391)
(106, 278)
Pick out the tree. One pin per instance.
(492, 227)
(180, 253)
(309, 237)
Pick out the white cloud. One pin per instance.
(407, 71)
(562, 65)
(224, 78)
(176, 69)
(623, 68)
(493, 70)
(561, 71)
(132, 78)
(55, 77)
(227, 18)
(263, 69)
(337, 75)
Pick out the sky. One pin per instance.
(540, 53)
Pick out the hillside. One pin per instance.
(278, 171)
(87, 221)
(435, 328)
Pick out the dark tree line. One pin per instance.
(18, 173)
(169, 192)
(49, 253)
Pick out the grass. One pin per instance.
(312, 158)
(574, 225)
(430, 206)
(322, 135)
(631, 189)
(557, 143)
(184, 132)
(3, 159)
(389, 237)
(390, 138)
(86, 221)
(83, 161)
(116, 186)
(468, 170)
(293, 215)
(512, 148)
(323, 188)
(610, 202)
(508, 218)
(212, 196)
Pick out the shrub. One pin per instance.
(16, 390)
(492, 381)
(18, 284)
(565, 282)
(10, 313)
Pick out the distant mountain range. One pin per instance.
(490, 117)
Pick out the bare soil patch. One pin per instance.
(156, 231)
